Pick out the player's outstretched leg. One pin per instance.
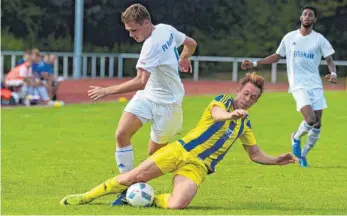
(143, 173)
(110, 186)
(146, 171)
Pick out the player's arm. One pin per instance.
(246, 64)
(327, 52)
(220, 114)
(281, 51)
(258, 156)
(332, 77)
(268, 60)
(189, 48)
(135, 84)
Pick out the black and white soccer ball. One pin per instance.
(140, 195)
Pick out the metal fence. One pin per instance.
(118, 58)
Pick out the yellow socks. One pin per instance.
(112, 186)
(162, 200)
(109, 186)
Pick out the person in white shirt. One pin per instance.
(159, 88)
(303, 49)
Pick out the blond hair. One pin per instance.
(255, 79)
(137, 13)
(35, 52)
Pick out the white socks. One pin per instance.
(312, 138)
(303, 129)
(124, 158)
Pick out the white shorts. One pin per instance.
(313, 97)
(14, 83)
(166, 119)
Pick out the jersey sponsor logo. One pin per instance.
(227, 134)
(306, 55)
(167, 43)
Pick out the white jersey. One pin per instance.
(159, 56)
(304, 54)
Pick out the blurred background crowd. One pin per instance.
(31, 81)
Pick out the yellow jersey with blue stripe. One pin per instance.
(210, 140)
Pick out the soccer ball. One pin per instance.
(140, 195)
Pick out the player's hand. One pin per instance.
(185, 65)
(246, 64)
(285, 159)
(96, 92)
(331, 77)
(237, 114)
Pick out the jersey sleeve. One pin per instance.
(247, 137)
(326, 48)
(149, 57)
(179, 36)
(281, 50)
(224, 101)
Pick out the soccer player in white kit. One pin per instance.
(159, 88)
(303, 49)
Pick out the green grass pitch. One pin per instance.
(48, 153)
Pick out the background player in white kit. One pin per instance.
(159, 88)
(303, 49)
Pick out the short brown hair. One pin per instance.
(137, 13)
(255, 79)
(311, 8)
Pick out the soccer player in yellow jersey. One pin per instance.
(196, 155)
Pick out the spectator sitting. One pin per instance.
(18, 75)
(46, 72)
(37, 60)
(26, 57)
(20, 79)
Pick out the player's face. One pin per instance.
(247, 96)
(52, 59)
(307, 18)
(28, 62)
(35, 58)
(46, 58)
(138, 31)
(27, 57)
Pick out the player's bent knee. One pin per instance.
(122, 138)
